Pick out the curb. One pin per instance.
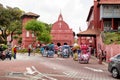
(105, 63)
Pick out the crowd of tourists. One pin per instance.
(80, 53)
(8, 53)
(51, 49)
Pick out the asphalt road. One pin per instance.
(36, 67)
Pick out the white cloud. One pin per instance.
(74, 12)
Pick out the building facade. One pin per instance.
(61, 33)
(107, 14)
(103, 16)
(28, 39)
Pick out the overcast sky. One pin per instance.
(74, 12)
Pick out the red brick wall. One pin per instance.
(112, 50)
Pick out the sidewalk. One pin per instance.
(93, 57)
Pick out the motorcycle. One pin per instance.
(2, 55)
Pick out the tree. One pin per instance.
(48, 26)
(45, 37)
(10, 22)
(36, 27)
(39, 29)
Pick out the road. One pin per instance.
(36, 67)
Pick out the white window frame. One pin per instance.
(27, 34)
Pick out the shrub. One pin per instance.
(26, 50)
(112, 37)
(4, 46)
(22, 51)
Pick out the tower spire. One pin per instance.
(80, 29)
(60, 18)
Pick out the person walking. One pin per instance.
(75, 55)
(29, 51)
(15, 51)
(100, 56)
(59, 54)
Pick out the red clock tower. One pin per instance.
(27, 37)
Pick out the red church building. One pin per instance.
(61, 33)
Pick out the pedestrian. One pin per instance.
(79, 51)
(100, 56)
(103, 55)
(10, 54)
(42, 50)
(29, 51)
(59, 54)
(15, 51)
(75, 55)
(56, 49)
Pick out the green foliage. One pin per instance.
(10, 21)
(41, 30)
(44, 37)
(112, 37)
(48, 27)
(26, 51)
(35, 26)
(4, 46)
(37, 50)
(22, 51)
(15, 37)
(18, 32)
(20, 40)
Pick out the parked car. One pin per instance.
(114, 66)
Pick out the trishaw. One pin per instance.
(84, 57)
